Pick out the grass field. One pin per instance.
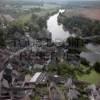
(24, 18)
(45, 6)
(91, 13)
(93, 78)
(43, 12)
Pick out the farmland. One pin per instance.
(92, 13)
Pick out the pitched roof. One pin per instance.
(1, 75)
(34, 78)
(4, 54)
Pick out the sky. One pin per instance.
(55, 0)
(50, 0)
(70, 0)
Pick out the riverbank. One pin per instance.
(91, 13)
(80, 25)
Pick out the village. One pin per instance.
(24, 69)
(34, 66)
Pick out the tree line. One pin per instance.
(80, 25)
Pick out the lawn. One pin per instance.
(24, 18)
(43, 12)
(93, 77)
(45, 6)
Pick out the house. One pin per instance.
(19, 41)
(4, 55)
(39, 78)
(14, 89)
(73, 56)
(44, 35)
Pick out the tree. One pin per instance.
(96, 66)
(34, 17)
(75, 42)
(85, 26)
(2, 38)
(15, 27)
(84, 62)
(41, 22)
(65, 69)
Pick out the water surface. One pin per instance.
(58, 34)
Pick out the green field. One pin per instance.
(93, 77)
(24, 18)
(45, 6)
(43, 12)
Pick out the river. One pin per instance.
(58, 34)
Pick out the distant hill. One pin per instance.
(72, 2)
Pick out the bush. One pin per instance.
(86, 26)
(96, 66)
(75, 42)
(2, 38)
(84, 62)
